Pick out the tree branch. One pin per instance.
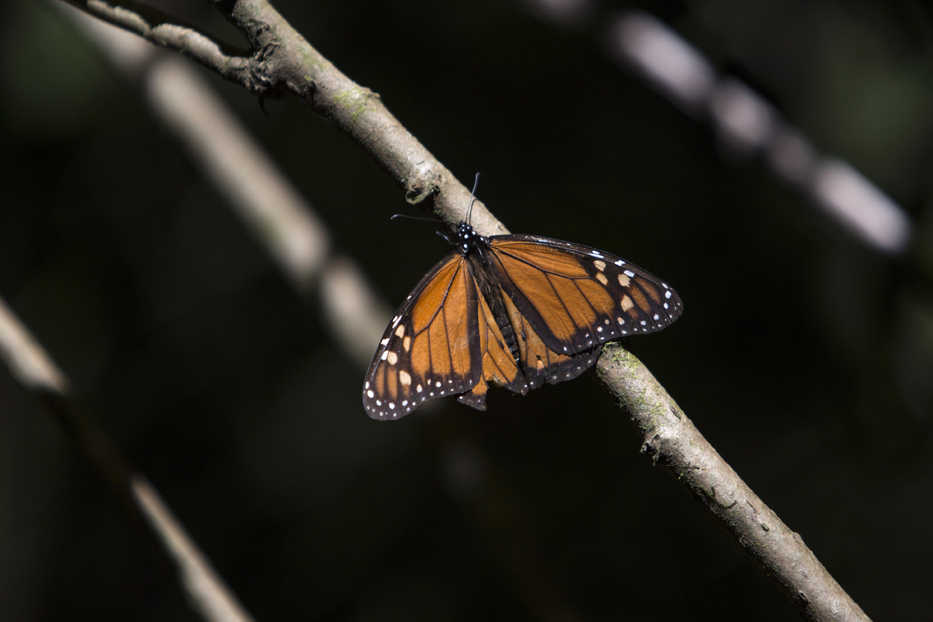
(283, 61)
(290, 62)
(184, 39)
(671, 439)
(34, 370)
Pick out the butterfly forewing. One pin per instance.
(577, 297)
(431, 347)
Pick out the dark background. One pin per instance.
(803, 356)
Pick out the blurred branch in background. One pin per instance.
(744, 121)
(292, 63)
(35, 371)
(749, 125)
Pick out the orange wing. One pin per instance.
(575, 297)
(498, 364)
(431, 348)
(540, 363)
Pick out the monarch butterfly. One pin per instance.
(512, 310)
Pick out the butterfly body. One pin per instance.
(511, 310)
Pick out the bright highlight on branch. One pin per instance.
(747, 123)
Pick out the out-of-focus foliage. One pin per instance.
(805, 358)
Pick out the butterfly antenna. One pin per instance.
(472, 197)
(407, 217)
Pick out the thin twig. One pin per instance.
(285, 61)
(184, 39)
(34, 369)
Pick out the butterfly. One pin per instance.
(511, 310)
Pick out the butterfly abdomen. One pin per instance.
(478, 259)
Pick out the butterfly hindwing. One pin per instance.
(431, 348)
(498, 363)
(540, 363)
(577, 297)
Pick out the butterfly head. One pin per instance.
(466, 237)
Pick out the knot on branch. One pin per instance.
(713, 498)
(422, 184)
(261, 70)
(649, 448)
(416, 193)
